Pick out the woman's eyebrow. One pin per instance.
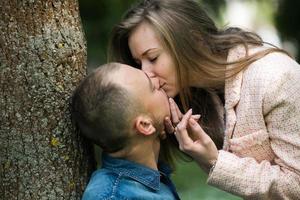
(148, 50)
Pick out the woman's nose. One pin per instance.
(155, 82)
(150, 74)
(154, 79)
(146, 67)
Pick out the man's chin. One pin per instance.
(160, 129)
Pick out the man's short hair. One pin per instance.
(103, 110)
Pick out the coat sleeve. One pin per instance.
(279, 179)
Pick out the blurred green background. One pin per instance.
(277, 21)
(191, 184)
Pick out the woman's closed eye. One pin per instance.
(153, 59)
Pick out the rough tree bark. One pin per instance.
(42, 59)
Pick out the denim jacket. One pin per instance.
(120, 179)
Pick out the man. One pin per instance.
(121, 109)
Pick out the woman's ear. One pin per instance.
(144, 125)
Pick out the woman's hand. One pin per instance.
(193, 140)
(176, 116)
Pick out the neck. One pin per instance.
(144, 153)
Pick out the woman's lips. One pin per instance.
(162, 85)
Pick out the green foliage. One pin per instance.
(190, 182)
(287, 21)
(214, 8)
(98, 18)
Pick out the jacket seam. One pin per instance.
(115, 186)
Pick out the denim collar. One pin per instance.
(144, 175)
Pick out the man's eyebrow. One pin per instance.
(150, 82)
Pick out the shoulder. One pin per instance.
(100, 185)
(276, 78)
(105, 184)
(274, 64)
(275, 68)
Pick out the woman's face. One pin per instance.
(149, 53)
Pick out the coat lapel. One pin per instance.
(232, 94)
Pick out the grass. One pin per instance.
(190, 182)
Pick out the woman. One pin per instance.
(213, 71)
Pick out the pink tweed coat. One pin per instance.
(261, 154)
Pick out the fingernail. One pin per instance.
(197, 116)
(170, 100)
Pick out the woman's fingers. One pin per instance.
(198, 132)
(169, 128)
(174, 114)
(196, 117)
(184, 140)
(168, 125)
(176, 117)
(196, 129)
(181, 132)
(179, 113)
(184, 121)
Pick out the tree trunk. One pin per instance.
(42, 59)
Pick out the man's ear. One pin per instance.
(144, 125)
